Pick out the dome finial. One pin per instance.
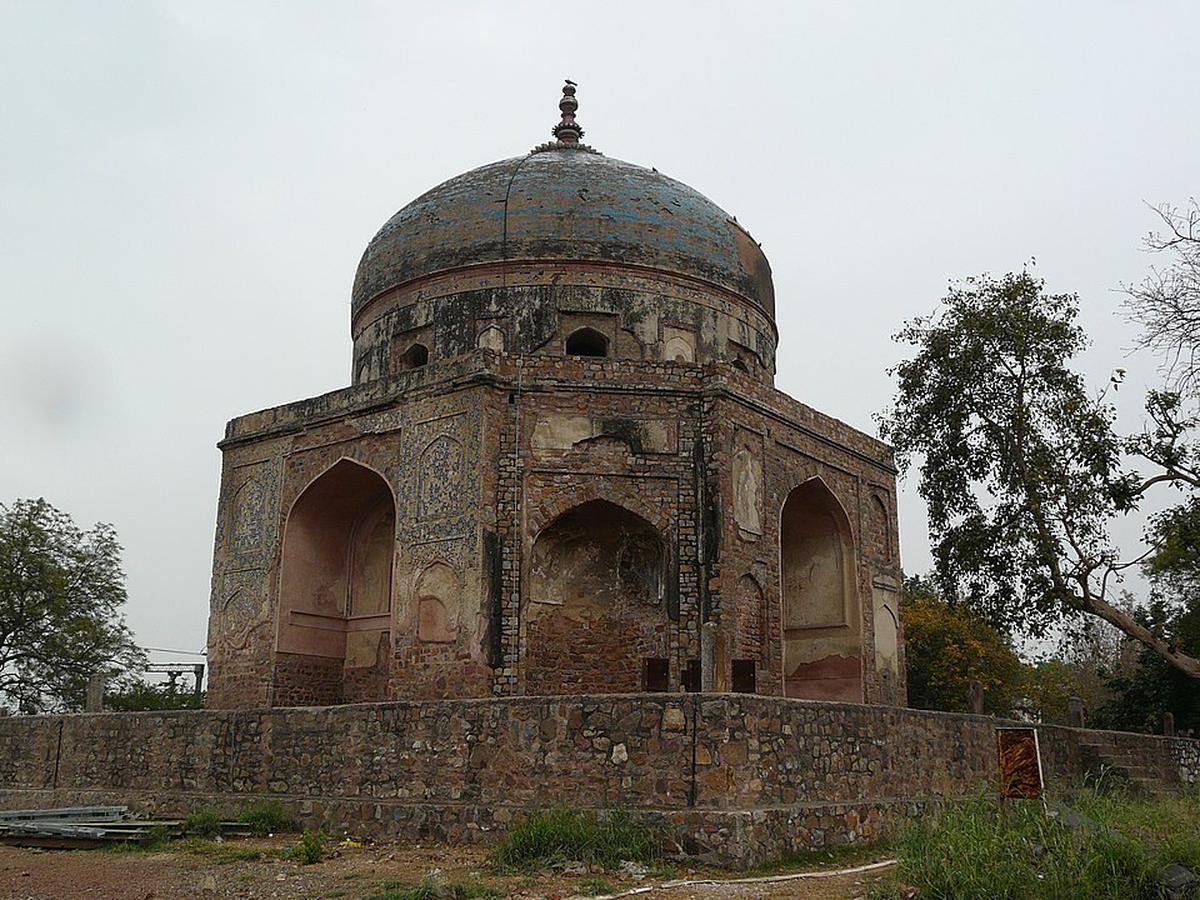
(568, 131)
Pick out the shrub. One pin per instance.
(266, 818)
(204, 822)
(562, 835)
(310, 849)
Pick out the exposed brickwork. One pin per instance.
(486, 445)
(306, 681)
(743, 777)
(488, 426)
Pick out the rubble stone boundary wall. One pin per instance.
(741, 777)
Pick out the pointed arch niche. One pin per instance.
(335, 581)
(596, 617)
(822, 622)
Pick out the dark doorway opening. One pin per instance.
(743, 676)
(656, 675)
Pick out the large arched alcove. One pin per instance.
(596, 612)
(335, 578)
(822, 630)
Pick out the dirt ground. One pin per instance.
(353, 873)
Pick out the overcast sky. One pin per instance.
(186, 189)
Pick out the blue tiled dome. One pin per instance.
(563, 203)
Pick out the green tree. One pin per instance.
(1021, 467)
(1141, 696)
(61, 595)
(1151, 688)
(947, 647)
(139, 695)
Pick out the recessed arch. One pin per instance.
(881, 526)
(491, 338)
(335, 569)
(586, 341)
(438, 599)
(821, 619)
(678, 349)
(596, 610)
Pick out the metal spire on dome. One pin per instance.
(567, 132)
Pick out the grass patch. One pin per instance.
(977, 849)
(266, 818)
(837, 857)
(564, 835)
(1167, 827)
(154, 842)
(432, 887)
(596, 886)
(227, 852)
(203, 822)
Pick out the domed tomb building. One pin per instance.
(562, 467)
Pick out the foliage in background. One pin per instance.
(1021, 466)
(1140, 696)
(976, 850)
(564, 835)
(947, 647)
(62, 592)
(1047, 686)
(137, 696)
(1123, 685)
(1140, 692)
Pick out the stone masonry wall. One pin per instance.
(741, 777)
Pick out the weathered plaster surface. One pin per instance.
(483, 451)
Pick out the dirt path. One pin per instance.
(355, 873)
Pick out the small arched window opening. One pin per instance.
(741, 365)
(587, 342)
(414, 357)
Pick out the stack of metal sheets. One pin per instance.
(75, 826)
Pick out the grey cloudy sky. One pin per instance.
(186, 188)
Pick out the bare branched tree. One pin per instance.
(1167, 303)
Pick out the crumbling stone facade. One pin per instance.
(563, 413)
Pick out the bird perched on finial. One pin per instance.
(567, 131)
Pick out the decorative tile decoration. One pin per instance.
(441, 478)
